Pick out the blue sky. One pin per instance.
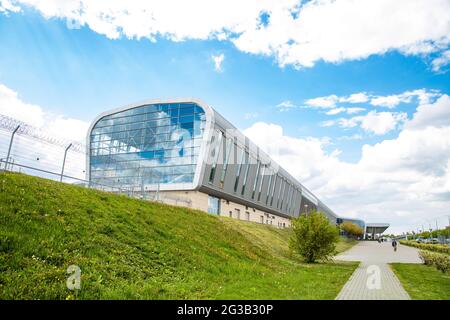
(80, 72)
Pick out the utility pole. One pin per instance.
(10, 146)
(64, 162)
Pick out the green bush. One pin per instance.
(314, 237)
(440, 261)
(442, 248)
(426, 257)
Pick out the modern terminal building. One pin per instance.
(188, 154)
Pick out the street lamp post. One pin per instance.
(306, 209)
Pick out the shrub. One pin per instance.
(442, 248)
(440, 261)
(314, 237)
(426, 257)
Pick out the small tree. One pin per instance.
(314, 237)
(352, 229)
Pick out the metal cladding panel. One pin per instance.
(230, 178)
(298, 203)
(263, 188)
(323, 208)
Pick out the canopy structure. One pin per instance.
(374, 230)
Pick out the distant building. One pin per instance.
(190, 155)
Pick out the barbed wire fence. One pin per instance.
(27, 149)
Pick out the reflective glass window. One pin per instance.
(149, 144)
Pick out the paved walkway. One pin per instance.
(374, 279)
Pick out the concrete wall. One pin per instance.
(199, 200)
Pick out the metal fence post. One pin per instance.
(64, 162)
(10, 146)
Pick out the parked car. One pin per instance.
(421, 240)
(433, 240)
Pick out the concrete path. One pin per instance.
(374, 279)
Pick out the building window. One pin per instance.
(262, 219)
(273, 190)
(280, 192)
(238, 214)
(213, 205)
(226, 159)
(231, 214)
(238, 171)
(247, 216)
(215, 157)
(286, 197)
(247, 168)
(147, 145)
(263, 171)
(258, 168)
(269, 186)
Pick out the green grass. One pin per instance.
(132, 249)
(423, 282)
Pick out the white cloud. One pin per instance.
(424, 96)
(326, 102)
(40, 153)
(218, 60)
(355, 98)
(355, 136)
(436, 114)
(286, 105)
(441, 61)
(6, 6)
(354, 110)
(68, 128)
(335, 111)
(378, 123)
(391, 101)
(12, 106)
(404, 181)
(295, 33)
(338, 110)
(381, 122)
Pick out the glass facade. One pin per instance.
(147, 145)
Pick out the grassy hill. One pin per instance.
(132, 249)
